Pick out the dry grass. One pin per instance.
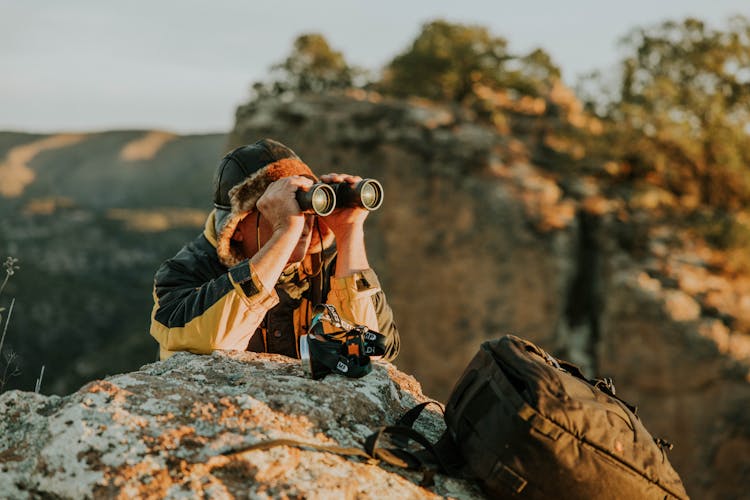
(146, 147)
(15, 170)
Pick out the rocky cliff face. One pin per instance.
(454, 243)
(474, 240)
(169, 430)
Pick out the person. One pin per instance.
(250, 281)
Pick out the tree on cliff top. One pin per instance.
(312, 66)
(447, 60)
(681, 116)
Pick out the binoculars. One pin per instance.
(323, 198)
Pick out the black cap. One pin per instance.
(242, 162)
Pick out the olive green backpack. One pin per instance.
(527, 425)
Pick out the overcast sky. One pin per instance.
(185, 65)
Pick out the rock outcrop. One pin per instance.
(168, 431)
(475, 239)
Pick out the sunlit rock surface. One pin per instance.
(164, 432)
(486, 231)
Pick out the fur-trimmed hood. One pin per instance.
(244, 197)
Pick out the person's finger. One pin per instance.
(291, 184)
(299, 181)
(353, 179)
(335, 178)
(349, 179)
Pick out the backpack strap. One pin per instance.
(442, 456)
(373, 453)
(395, 456)
(272, 443)
(408, 419)
(431, 459)
(317, 282)
(445, 448)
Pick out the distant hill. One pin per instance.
(90, 217)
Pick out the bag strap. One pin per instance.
(372, 453)
(373, 440)
(606, 384)
(441, 456)
(411, 416)
(272, 443)
(371, 449)
(430, 461)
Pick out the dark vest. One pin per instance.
(293, 292)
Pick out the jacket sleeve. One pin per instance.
(359, 299)
(191, 314)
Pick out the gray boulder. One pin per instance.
(168, 430)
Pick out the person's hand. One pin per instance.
(279, 206)
(344, 221)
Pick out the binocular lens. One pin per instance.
(371, 194)
(320, 199)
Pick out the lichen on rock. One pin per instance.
(170, 429)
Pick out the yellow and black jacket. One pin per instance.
(201, 305)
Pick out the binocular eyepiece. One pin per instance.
(323, 198)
